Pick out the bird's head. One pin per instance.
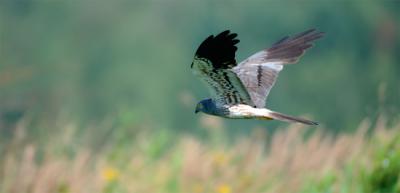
(205, 106)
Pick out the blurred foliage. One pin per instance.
(155, 162)
(130, 59)
(384, 176)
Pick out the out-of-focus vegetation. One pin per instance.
(97, 96)
(367, 161)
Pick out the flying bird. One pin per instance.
(239, 91)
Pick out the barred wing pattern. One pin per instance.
(259, 72)
(213, 63)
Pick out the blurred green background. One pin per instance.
(98, 96)
(129, 60)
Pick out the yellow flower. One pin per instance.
(109, 174)
(224, 189)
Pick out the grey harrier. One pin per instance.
(239, 90)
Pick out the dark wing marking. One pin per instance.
(219, 50)
(259, 72)
(213, 62)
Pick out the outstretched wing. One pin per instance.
(213, 63)
(259, 72)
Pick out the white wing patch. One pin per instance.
(273, 66)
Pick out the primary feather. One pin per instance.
(259, 72)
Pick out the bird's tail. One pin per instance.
(287, 118)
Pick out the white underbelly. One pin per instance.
(246, 111)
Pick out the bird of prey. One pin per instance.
(239, 91)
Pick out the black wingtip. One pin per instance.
(224, 33)
(219, 49)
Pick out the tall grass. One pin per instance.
(290, 160)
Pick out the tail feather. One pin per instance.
(288, 118)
